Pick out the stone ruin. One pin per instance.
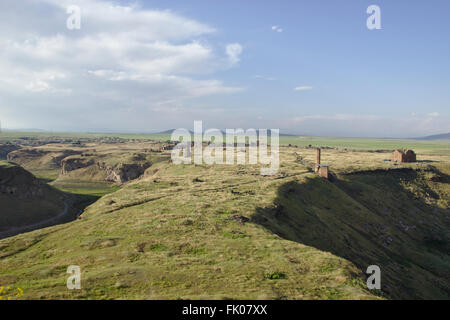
(400, 155)
(321, 169)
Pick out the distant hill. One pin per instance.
(166, 132)
(224, 132)
(442, 136)
(23, 130)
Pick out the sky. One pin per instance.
(304, 67)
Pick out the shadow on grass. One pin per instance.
(72, 207)
(371, 218)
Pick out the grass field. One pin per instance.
(351, 143)
(367, 143)
(225, 231)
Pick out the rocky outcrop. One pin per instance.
(125, 172)
(74, 163)
(59, 157)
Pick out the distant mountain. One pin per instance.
(291, 135)
(166, 132)
(170, 131)
(444, 136)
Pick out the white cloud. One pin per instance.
(433, 114)
(258, 76)
(41, 81)
(277, 29)
(132, 19)
(123, 58)
(303, 88)
(234, 51)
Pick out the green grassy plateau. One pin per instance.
(226, 232)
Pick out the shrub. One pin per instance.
(275, 275)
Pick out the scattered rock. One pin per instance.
(187, 222)
(120, 285)
(141, 247)
(240, 219)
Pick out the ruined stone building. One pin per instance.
(404, 156)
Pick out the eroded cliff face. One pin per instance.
(58, 158)
(71, 164)
(122, 172)
(128, 167)
(119, 173)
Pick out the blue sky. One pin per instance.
(153, 65)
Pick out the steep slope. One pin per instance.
(396, 219)
(27, 203)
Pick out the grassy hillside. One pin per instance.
(376, 217)
(187, 231)
(26, 201)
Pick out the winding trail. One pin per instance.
(42, 224)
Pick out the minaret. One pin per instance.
(321, 169)
(317, 159)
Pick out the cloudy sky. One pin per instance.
(305, 67)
